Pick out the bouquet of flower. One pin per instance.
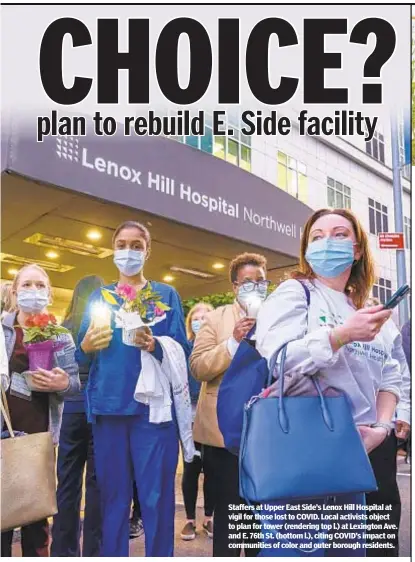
(139, 309)
(40, 333)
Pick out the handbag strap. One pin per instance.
(274, 358)
(6, 412)
(282, 415)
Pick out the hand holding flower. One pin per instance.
(144, 339)
(55, 380)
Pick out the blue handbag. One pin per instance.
(246, 376)
(301, 447)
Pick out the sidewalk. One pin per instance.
(201, 546)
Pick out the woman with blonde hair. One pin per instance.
(6, 297)
(335, 338)
(41, 410)
(192, 470)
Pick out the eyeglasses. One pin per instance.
(249, 286)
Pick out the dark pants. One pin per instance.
(129, 448)
(34, 540)
(190, 483)
(383, 460)
(226, 480)
(76, 450)
(136, 504)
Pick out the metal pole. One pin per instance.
(399, 227)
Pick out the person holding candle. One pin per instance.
(41, 410)
(76, 453)
(215, 345)
(127, 444)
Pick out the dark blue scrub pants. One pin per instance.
(128, 448)
(76, 450)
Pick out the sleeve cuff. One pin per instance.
(66, 390)
(82, 358)
(158, 351)
(232, 346)
(403, 415)
(393, 390)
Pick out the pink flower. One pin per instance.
(158, 311)
(126, 292)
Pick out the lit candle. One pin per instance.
(253, 306)
(101, 315)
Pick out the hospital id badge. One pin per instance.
(19, 387)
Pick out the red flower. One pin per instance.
(52, 319)
(30, 322)
(38, 320)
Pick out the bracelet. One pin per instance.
(383, 425)
(338, 340)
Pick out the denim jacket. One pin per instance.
(65, 359)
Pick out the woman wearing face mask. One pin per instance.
(127, 444)
(192, 470)
(215, 346)
(30, 411)
(336, 337)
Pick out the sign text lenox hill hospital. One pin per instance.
(171, 187)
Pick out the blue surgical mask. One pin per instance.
(129, 262)
(329, 258)
(32, 301)
(196, 325)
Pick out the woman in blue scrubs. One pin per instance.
(127, 446)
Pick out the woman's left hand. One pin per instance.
(55, 380)
(144, 339)
(372, 436)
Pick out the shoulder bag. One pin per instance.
(28, 482)
(301, 447)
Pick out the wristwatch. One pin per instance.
(387, 426)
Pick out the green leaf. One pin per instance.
(108, 297)
(162, 306)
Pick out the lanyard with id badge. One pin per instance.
(19, 387)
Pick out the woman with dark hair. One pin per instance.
(136, 434)
(76, 451)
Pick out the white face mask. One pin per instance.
(32, 301)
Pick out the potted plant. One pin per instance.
(139, 309)
(40, 340)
